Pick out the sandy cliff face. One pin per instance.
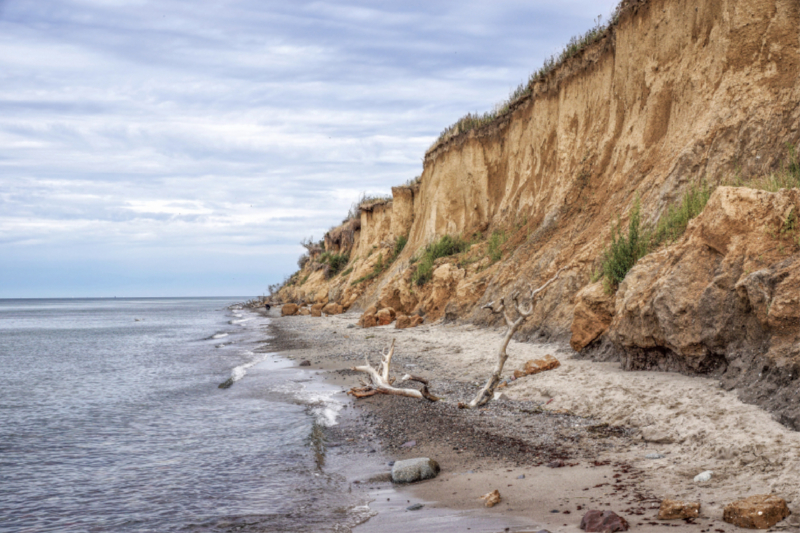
(676, 93)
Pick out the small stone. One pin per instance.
(305, 363)
(492, 498)
(756, 512)
(703, 477)
(412, 470)
(541, 365)
(409, 444)
(351, 326)
(653, 456)
(558, 463)
(390, 463)
(678, 510)
(521, 476)
(603, 522)
(415, 507)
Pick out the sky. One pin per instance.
(185, 148)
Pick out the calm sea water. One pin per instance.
(111, 419)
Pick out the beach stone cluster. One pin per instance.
(412, 470)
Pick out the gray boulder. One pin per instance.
(412, 470)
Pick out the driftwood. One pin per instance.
(486, 394)
(382, 384)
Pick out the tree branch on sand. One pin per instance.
(382, 384)
(486, 394)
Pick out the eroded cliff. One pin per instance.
(675, 93)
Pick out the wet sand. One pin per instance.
(596, 420)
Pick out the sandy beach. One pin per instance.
(597, 421)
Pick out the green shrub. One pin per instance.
(496, 241)
(673, 222)
(336, 262)
(399, 244)
(624, 249)
(347, 272)
(444, 247)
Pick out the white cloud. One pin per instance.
(162, 130)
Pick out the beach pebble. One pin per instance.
(412, 470)
(522, 476)
(415, 507)
(603, 521)
(305, 363)
(654, 456)
(409, 444)
(703, 477)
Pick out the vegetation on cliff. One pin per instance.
(574, 46)
(446, 246)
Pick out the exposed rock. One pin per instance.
(368, 320)
(519, 374)
(491, 499)
(289, 309)
(756, 512)
(603, 522)
(304, 311)
(333, 309)
(594, 311)
(405, 321)
(412, 470)
(305, 363)
(414, 507)
(541, 365)
(316, 310)
(678, 510)
(385, 316)
(654, 456)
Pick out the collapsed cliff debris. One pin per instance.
(383, 384)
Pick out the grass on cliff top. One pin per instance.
(575, 45)
(365, 200)
(446, 246)
(625, 249)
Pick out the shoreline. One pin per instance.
(536, 421)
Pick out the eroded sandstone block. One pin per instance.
(756, 512)
(333, 309)
(368, 320)
(405, 321)
(385, 316)
(304, 311)
(678, 510)
(289, 309)
(316, 310)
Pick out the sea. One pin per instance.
(161, 414)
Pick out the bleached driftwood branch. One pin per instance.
(524, 312)
(381, 383)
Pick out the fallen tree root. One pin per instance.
(382, 384)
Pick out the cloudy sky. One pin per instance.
(184, 148)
